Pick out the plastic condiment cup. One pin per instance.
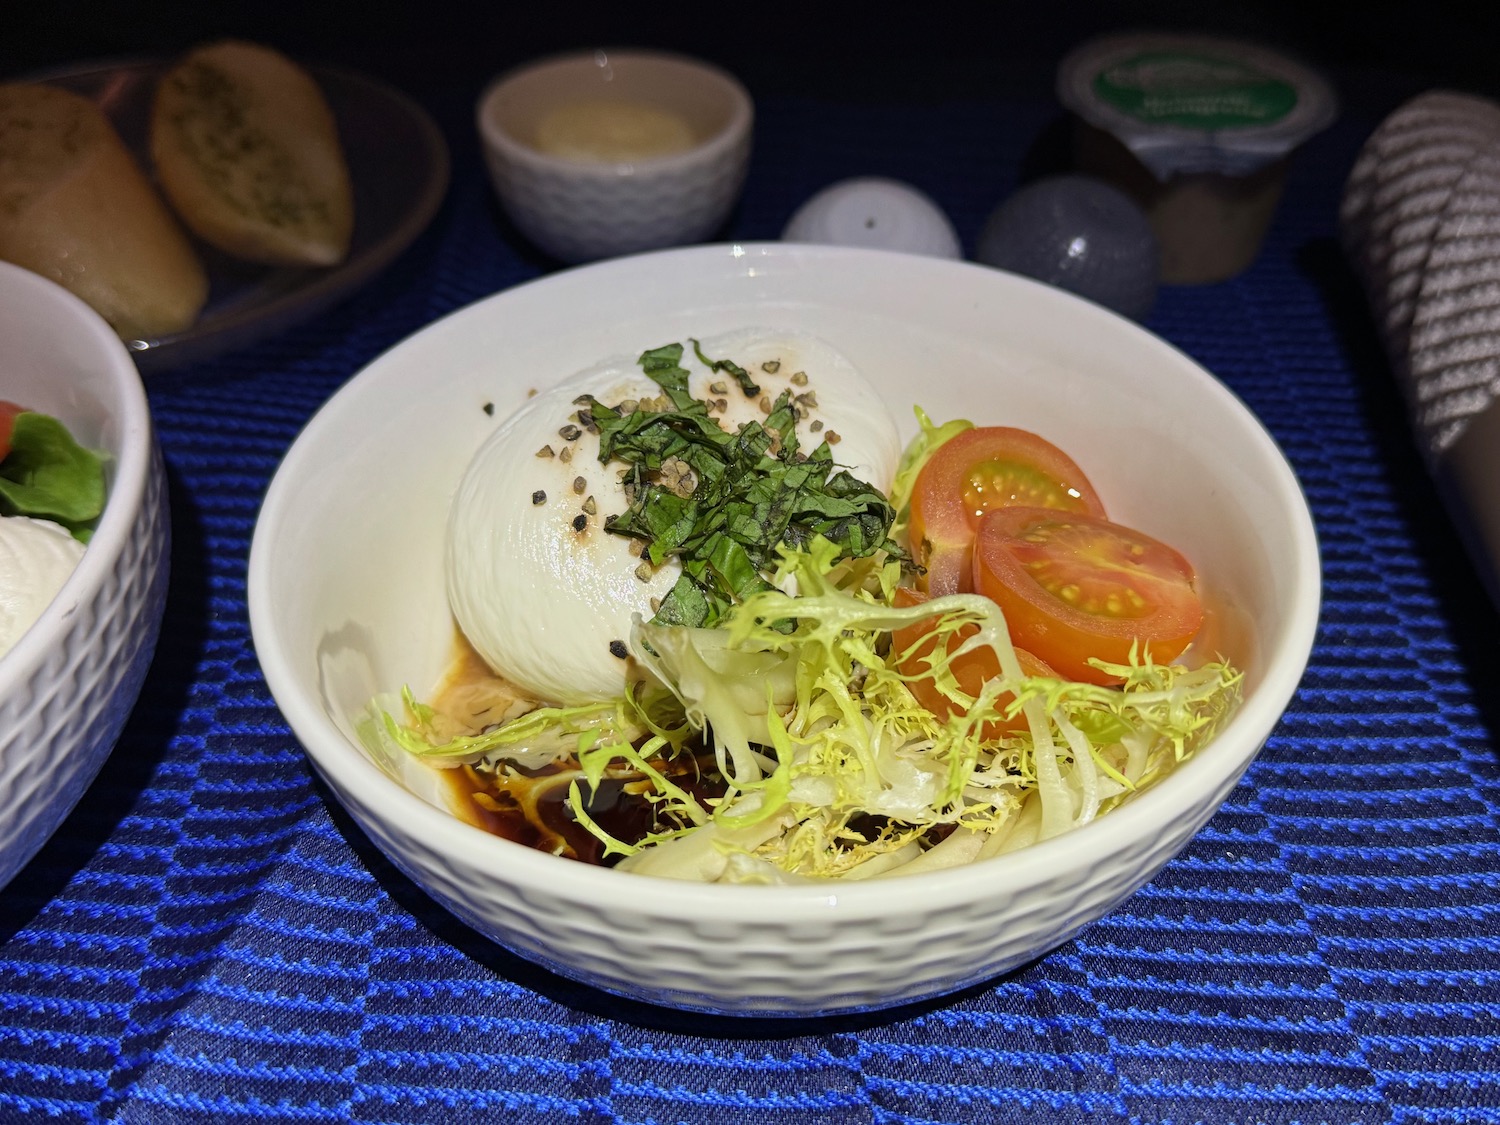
(1199, 131)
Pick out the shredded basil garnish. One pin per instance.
(741, 376)
(720, 503)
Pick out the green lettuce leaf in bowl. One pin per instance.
(48, 475)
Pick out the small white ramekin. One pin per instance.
(577, 210)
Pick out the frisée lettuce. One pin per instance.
(776, 721)
(831, 768)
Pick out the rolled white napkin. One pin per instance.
(1420, 221)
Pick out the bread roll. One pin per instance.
(248, 153)
(76, 207)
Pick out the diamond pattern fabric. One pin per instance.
(209, 939)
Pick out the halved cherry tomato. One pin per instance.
(979, 471)
(8, 412)
(971, 670)
(1074, 586)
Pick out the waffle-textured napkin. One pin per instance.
(1420, 220)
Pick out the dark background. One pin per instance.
(1377, 53)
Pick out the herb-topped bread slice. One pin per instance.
(247, 150)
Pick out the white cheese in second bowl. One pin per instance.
(36, 558)
(543, 593)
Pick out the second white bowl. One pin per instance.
(69, 684)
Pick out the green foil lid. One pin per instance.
(1193, 103)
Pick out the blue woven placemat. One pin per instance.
(208, 938)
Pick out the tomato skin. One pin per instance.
(1052, 573)
(971, 670)
(978, 471)
(8, 412)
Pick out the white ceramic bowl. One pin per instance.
(71, 680)
(347, 601)
(581, 210)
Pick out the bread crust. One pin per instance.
(75, 207)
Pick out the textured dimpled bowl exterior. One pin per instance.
(580, 211)
(70, 682)
(347, 603)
